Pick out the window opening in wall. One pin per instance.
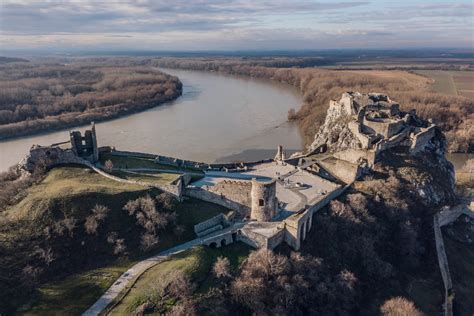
(261, 202)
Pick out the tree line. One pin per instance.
(38, 97)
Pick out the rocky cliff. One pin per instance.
(358, 124)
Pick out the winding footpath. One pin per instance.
(134, 272)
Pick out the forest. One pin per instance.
(44, 96)
(454, 114)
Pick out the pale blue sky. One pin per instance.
(239, 24)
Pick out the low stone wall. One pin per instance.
(186, 163)
(174, 189)
(213, 221)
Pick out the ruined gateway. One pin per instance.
(273, 201)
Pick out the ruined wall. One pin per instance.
(354, 155)
(213, 221)
(343, 170)
(364, 139)
(49, 157)
(276, 239)
(422, 138)
(216, 198)
(263, 200)
(386, 128)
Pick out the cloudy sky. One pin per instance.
(234, 24)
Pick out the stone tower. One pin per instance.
(85, 146)
(280, 155)
(264, 201)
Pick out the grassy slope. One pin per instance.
(74, 191)
(196, 262)
(66, 182)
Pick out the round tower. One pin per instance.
(264, 202)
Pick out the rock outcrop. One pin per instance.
(363, 129)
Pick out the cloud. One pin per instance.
(234, 24)
(145, 16)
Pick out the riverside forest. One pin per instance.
(70, 231)
(237, 157)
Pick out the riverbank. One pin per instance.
(216, 116)
(319, 86)
(41, 98)
(75, 119)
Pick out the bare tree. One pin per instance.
(109, 166)
(99, 213)
(399, 306)
(221, 268)
(148, 241)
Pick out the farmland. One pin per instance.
(456, 82)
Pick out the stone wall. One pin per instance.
(386, 128)
(49, 157)
(420, 140)
(342, 169)
(216, 198)
(355, 155)
(213, 221)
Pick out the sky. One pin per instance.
(184, 25)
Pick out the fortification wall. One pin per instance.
(343, 170)
(386, 128)
(354, 155)
(444, 267)
(354, 127)
(276, 239)
(420, 140)
(213, 221)
(50, 157)
(187, 163)
(216, 198)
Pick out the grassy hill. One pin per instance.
(45, 243)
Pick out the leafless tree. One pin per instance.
(399, 306)
(221, 268)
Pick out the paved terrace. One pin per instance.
(292, 197)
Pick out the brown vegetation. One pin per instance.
(399, 306)
(39, 97)
(13, 185)
(455, 114)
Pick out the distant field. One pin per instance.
(451, 82)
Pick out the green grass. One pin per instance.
(196, 263)
(76, 292)
(155, 178)
(139, 162)
(443, 81)
(451, 82)
(73, 191)
(66, 182)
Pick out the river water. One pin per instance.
(218, 117)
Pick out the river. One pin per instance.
(217, 118)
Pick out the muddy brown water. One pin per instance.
(217, 116)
